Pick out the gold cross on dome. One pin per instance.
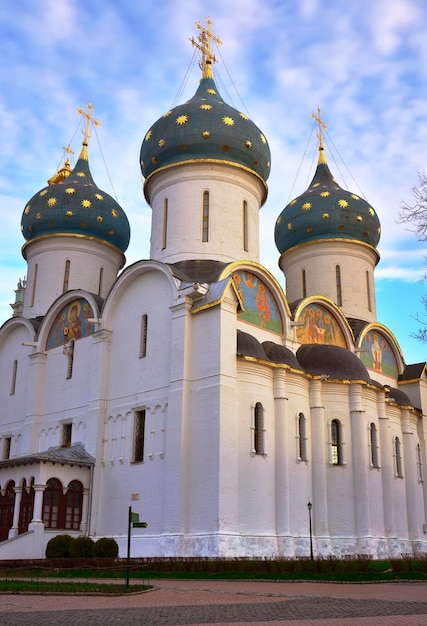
(68, 151)
(203, 43)
(321, 125)
(89, 119)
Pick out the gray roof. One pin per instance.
(72, 455)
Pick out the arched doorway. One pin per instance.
(7, 504)
(27, 507)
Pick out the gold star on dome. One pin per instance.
(166, 115)
(306, 206)
(248, 144)
(341, 227)
(293, 202)
(359, 218)
(81, 174)
(228, 121)
(83, 224)
(181, 119)
(255, 163)
(38, 216)
(290, 226)
(325, 216)
(27, 209)
(183, 147)
(148, 135)
(279, 219)
(325, 194)
(114, 213)
(263, 139)
(52, 223)
(44, 192)
(342, 203)
(98, 196)
(353, 195)
(99, 218)
(309, 230)
(316, 185)
(371, 211)
(111, 233)
(86, 203)
(69, 214)
(205, 107)
(243, 116)
(162, 143)
(225, 147)
(206, 134)
(70, 190)
(154, 160)
(211, 91)
(51, 202)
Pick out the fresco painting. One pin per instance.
(260, 307)
(71, 323)
(377, 354)
(320, 326)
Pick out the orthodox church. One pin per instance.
(235, 419)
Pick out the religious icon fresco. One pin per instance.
(71, 323)
(377, 354)
(260, 307)
(320, 326)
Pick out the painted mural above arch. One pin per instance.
(72, 322)
(259, 305)
(320, 326)
(377, 353)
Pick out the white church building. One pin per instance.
(189, 386)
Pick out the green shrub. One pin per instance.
(81, 547)
(58, 547)
(106, 547)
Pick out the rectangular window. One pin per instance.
(302, 438)
(398, 458)
(258, 429)
(205, 217)
(101, 280)
(66, 434)
(66, 276)
(138, 450)
(374, 445)
(33, 289)
(165, 223)
(339, 289)
(368, 291)
(420, 464)
(245, 227)
(69, 351)
(336, 443)
(7, 442)
(13, 381)
(143, 340)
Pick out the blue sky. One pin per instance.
(364, 63)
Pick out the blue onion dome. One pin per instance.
(326, 211)
(72, 204)
(205, 129)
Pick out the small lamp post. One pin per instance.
(309, 507)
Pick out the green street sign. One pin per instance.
(140, 524)
(134, 517)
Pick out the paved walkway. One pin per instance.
(176, 603)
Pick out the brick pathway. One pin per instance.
(175, 603)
